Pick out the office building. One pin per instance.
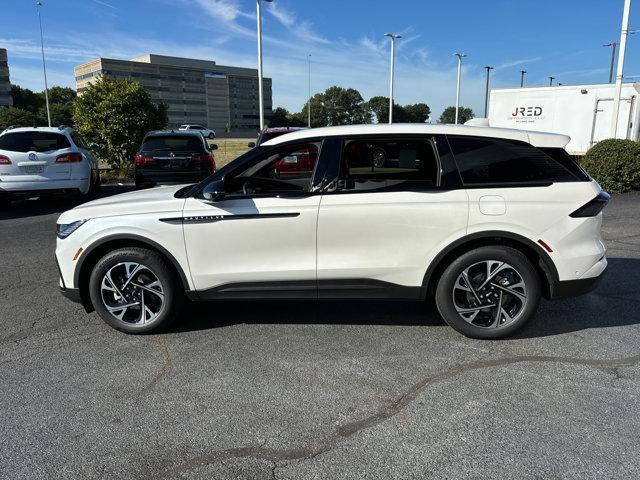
(195, 91)
(6, 100)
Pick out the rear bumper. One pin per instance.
(581, 286)
(33, 187)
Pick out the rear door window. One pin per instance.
(389, 163)
(33, 142)
(491, 161)
(173, 143)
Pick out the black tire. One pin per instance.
(153, 264)
(94, 186)
(212, 136)
(491, 293)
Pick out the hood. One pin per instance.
(153, 200)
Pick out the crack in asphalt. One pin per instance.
(167, 365)
(345, 431)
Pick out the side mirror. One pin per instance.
(251, 144)
(213, 146)
(214, 191)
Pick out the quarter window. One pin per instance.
(391, 164)
(488, 161)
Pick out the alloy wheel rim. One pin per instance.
(132, 293)
(490, 294)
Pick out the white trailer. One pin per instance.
(584, 112)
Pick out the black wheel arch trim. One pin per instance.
(127, 236)
(546, 263)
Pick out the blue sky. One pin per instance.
(562, 38)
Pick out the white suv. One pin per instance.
(204, 131)
(485, 221)
(41, 160)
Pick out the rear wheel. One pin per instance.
(212, 136)
(489, 292)
(135, 290)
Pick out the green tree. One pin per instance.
(379, 107)
(26, 99)
(20, 118)
(279, 117)
(417, 112)
(337, 106)
(116, 114)
(60, 95)
(449, 115)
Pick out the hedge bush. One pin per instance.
(615, 164)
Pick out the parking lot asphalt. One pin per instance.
(306, 390)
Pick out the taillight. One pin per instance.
(143, 160)
(5, 160)
(203, 160)
(73, 157)
(593, 207)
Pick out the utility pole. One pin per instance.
(486, 94)
(623, 46)
(460, 57)
(613, 46)
(393, 47)
(522, 72)
(309, 101)
(44, 66)
(551, 79)
(260, 90)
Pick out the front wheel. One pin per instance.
(212, 136)
(135, 290)
(490, 292)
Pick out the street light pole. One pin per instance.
(623, 47)
(486, 95)
(522, 72)
(44, 66)
(393, 47)
(613, 46)
(551, 79)
(309, 101)
(460, 57)
(260, 90)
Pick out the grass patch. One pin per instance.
(229, 149)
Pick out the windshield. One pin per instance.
(33, 142)
(173, 143)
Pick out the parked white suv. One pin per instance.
(483, 220)
(204, 131)
(40, 160)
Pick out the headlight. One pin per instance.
(65, 230)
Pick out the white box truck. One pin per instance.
(584, 112)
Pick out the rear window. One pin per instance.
(490, 161)
(33, 142)
(174, 143)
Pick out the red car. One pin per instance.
(294, 164)
(269, 133)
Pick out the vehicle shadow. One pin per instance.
(47, 205)
(613, 304)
